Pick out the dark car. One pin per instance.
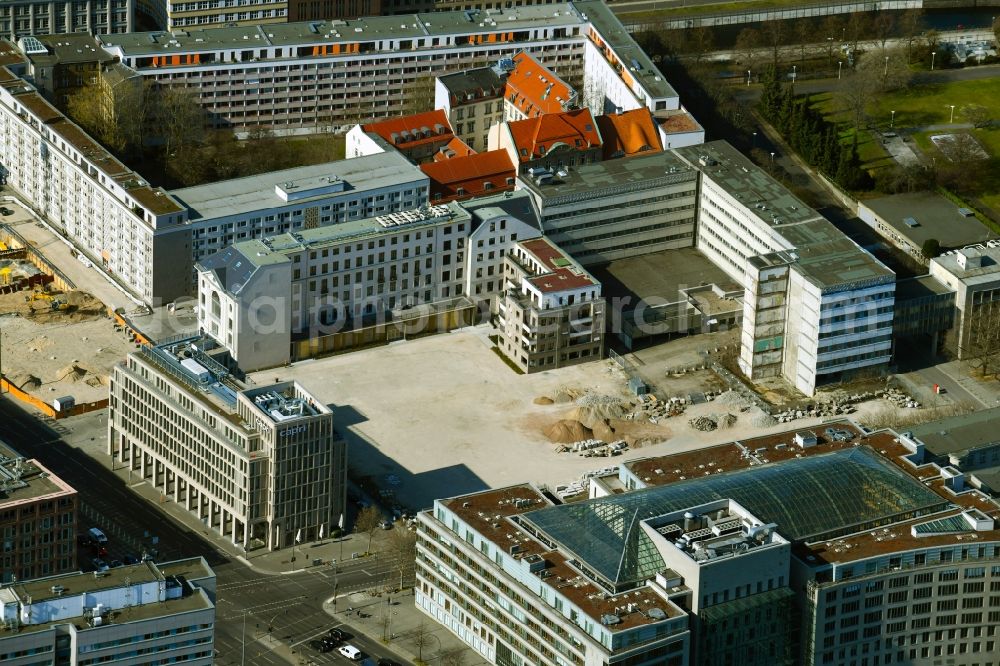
(387, 662)
(130, 560)
(6, 211)
(328, 644)
(316, 645)
(114, 564)
(337, 635)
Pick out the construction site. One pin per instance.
(56, 342)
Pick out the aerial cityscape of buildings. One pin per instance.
(519, 180)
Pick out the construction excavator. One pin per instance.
(54, 302)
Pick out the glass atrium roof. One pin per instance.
(811, 498)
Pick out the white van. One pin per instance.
(351, 652)
(97, 535)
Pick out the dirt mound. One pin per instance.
(26, 382)
(71, 373)
(604, 431)
(563, 397)
(592, 414)
(543, 400)
(567, 431)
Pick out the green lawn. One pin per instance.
(872, 155)
(713, 8)
(930, 104)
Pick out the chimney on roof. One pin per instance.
(619, 110)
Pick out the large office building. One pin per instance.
(300, 76)
(262, 465)
(619, 208)
(837, 547)
(38, 519)
(135, 615)
(257, 296)
(817, 307)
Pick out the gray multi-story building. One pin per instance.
(617, 208)
(257, 297)
(838, 547)
(262, 465)
(139, 614)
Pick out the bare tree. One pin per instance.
(981, 345)
(882, 28)
(775, 37)
(702, 42)
(832, 29)
(180, 117)
(871, 77)
(857, 26)
(420, 95)
(403, 546)
(978, 115)
(804, 36)
(421, 638)
(367, 522)
(909, 27)
(747, 43)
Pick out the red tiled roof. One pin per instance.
(454, 148)
(564, 273)
(535, 137)
(534, 89)
(409, 131)
(629, 133)
(469, 173)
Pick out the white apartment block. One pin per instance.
(256, 297)
(107, 210)
(291, 200)
(617, 208)
(262, 465)
(550, 313)
(973, 273)
(817, 307)
(298, 76)
(20, 18)
(140, 614)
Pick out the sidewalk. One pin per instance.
(405, 624)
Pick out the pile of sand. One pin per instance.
(594, 413)
(543, 400)
(760, 419)
(567, 431)
(733, 399)
(26, 382)
(71, 373)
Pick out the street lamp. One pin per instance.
(794, 72)
(755, 139)
(748, 78)
(885, 72)
(892, 119)
(772, 162)
(952, 119)
(840, 67)
(933, 54)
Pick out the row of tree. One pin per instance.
(811, 135)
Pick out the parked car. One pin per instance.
(114, 564)
(99, 564)
(387, 662)
(337, 635)
(130, 559)
(6, 211)
(351, 652)
(97, 535)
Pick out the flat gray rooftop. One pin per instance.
(598, 13)
(240, 196)
(68, 48)
(821, 251)
(919, 287)
(987, 271)
(659, 275)
(593, 180)
(275, 249)
(960, 433)
(483, 82)
(936, 217)
(402, 26)
(516, 204)
(28, 482)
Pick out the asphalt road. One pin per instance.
(290, 604)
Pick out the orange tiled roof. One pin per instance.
(469, 173)
(629, 133)
(534, 89)
(535, 137)
(409, 131)
(454, 148)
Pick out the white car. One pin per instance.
(351, 652)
